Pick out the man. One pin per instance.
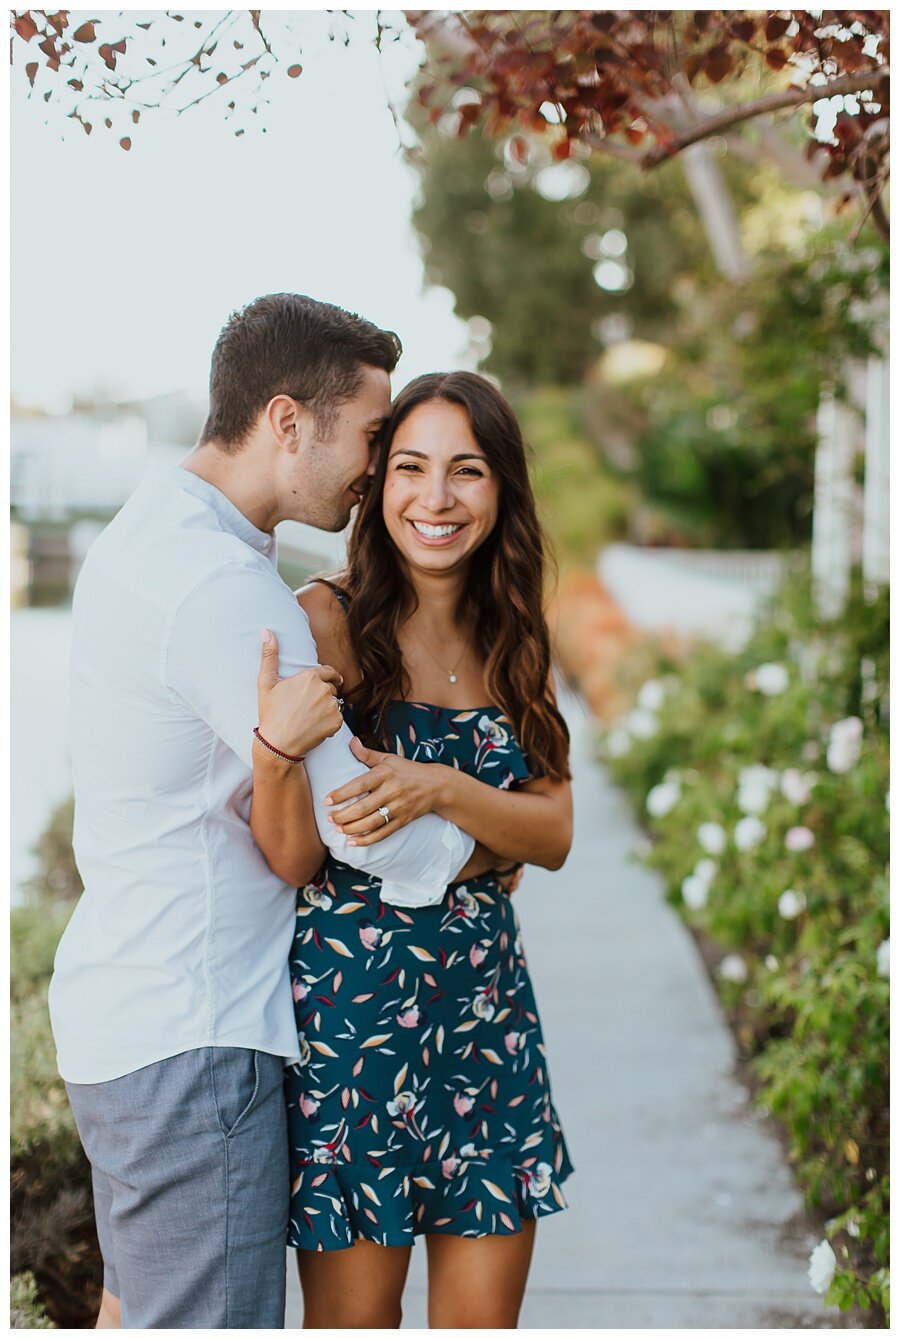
(170, 1001)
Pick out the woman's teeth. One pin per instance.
(436, 531)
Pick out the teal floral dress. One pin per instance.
(421, 1102)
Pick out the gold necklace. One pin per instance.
(451, 673)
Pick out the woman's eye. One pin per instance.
(469, 469)
(407, 466)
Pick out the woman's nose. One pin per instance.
(438, 495)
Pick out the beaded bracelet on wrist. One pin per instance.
(285, 757)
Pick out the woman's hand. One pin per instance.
(406, 789)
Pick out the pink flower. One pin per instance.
(308, 1105)
(477, 955)
(370, 935)
(512, 1042)
(463, 1103)
(300, 990)
(449, 1166)
(411, 1017)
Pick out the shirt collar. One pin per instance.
(231, 516)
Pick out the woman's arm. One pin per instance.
(532, 823)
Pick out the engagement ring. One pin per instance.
(385, 811)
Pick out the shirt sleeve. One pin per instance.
(212, 664)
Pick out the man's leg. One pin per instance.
(194, 1152)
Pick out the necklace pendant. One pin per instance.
(453, 678)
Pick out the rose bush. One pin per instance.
(763, 781)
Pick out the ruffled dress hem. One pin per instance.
(391, 1206)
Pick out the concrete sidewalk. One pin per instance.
(683, 1213)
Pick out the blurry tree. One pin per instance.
(564, 258)
(635, 84)
(645, 85)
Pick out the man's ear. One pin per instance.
(288, 421)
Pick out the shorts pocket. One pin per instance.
(234, 1074)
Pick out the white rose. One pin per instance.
(790, 904)
(844, 744)
(642, 724)
(822, 1264)
(769, 679)
(651, 695)
(618, 742)
(758, 775)
(748, 832)
(733, 968)
(706, 870)
(695, 892)
(663, 798)
(796, 786)
(712, 838)
(884, 958)
(753, 798)
(799, 839)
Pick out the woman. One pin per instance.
(422, 1104)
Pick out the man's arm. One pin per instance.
(212, 664)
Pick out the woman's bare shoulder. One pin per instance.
(328, 623)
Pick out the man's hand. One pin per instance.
(296, 714)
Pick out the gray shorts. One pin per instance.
(189, 1158)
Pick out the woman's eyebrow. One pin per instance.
(420, 455)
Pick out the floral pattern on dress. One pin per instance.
(422, 1100)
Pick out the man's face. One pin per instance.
(331, 475)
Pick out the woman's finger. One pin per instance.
(370, 838)
(362, 826)
(350, 789)
(363, 808)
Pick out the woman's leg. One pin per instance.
(110, 1317)
(477, 1283)
(359, 1288)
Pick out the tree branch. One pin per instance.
(793, 97)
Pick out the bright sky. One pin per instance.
(126, 264)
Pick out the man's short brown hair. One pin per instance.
(288, 344)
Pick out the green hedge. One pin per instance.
(772, 834)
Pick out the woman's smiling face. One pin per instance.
(441, 498)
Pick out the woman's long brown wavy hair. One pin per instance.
(504, 592)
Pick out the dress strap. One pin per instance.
(340, 594)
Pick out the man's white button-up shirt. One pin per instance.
(182, 935)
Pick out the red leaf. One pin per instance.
(59, 20)
(775, 58)
(108, 123)
(31, 70)
(26, 27)
(776, 27)
(76, 84)
(294, 70)
(518, 147)
(221, 78)
(135, 116)
(108, 55)
(48, 46)
(743, 29)
(119, 46)
(718, 63)
(86, 33)
(125, 143)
